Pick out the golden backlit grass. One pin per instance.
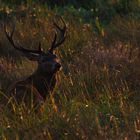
(97, 95)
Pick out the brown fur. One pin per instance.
(37, 86)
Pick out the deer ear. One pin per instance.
(51, 51)
(32, 56)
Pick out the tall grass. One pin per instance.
(97, 94)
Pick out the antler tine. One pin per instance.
(61, 29)
(53, 43)
(10, 36)
(62, 37)
(19, 48)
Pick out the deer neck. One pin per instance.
(44, 83)
(46, 76)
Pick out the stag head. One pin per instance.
(48, 62)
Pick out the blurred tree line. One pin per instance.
(104, 10)
(121, 6)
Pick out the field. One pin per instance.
(97, 96)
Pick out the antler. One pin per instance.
(61, 39)
(19, 48)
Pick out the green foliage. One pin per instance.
(105, 10)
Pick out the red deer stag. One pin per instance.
(43, 80)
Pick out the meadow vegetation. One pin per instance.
(98, 90)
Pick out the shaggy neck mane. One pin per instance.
(44, 83)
